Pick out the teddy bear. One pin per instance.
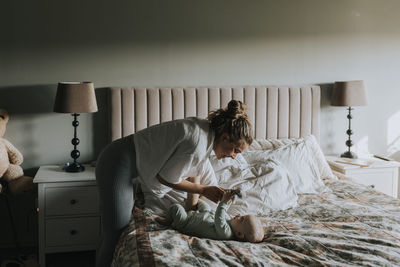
(12, 177)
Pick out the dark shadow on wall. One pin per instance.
(28, 142)
(180, 20)
(326, 94)
(28, 100)
(101, 121)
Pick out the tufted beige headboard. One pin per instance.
(277, 112)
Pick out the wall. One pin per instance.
(178, 43)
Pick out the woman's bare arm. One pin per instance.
(184, 185)
(214, 193)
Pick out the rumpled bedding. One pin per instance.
(264, 182)
(269, 178)
(348, 225)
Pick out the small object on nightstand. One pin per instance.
(347, 163)
(351, 163)
(356, 162)
(383, 158)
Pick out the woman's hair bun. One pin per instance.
(236, 107)
(233, 121)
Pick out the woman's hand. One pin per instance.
(213, 193)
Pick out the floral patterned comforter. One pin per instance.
(351, 226)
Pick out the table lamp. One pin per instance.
(349, 94)
(75, 98)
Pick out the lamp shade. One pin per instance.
(349, 94)
(75, 97)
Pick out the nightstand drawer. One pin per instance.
(72, 231)
(381, 181)
(71, 200)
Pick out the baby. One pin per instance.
(206, 223)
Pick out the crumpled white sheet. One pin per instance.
(266, 186)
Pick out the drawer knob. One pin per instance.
(73, 201)
(73, 232)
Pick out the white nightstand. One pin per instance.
(380, 174)
(69, 218)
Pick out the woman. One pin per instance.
(171, 155)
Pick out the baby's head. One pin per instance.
(247, 228)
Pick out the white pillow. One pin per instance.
(299, 159)
(270, 143)
(265, 186)
(318, 156)
(311, 142)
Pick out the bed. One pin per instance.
(345, 224)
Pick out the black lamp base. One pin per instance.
(74, 167)
(349, 154)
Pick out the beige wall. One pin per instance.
(170, 43)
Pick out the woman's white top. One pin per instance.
(175, 150)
